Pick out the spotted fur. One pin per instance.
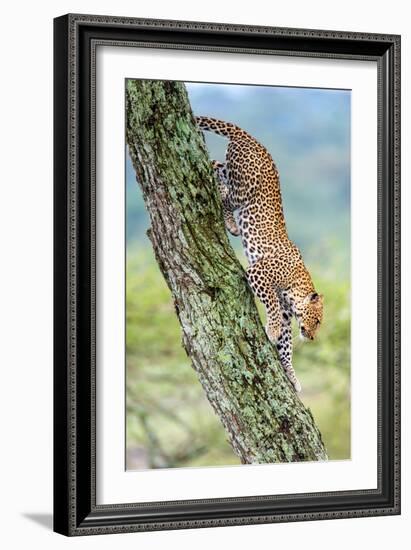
(249, 186)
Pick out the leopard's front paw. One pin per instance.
(293, 379)
(297, 385)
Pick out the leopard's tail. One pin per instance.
(220, 127)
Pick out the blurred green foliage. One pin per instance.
(169, 420)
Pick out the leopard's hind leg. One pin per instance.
(222, 180)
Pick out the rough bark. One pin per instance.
(221, 329)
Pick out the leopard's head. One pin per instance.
(311, 315)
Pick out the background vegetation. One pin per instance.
(169, 421)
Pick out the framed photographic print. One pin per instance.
(227, 278)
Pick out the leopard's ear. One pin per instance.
(315, 297)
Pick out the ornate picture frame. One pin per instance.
(76, 40)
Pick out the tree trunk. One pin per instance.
(221, 329)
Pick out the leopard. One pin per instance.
(249, 187)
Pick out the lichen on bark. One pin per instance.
(221, 330)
